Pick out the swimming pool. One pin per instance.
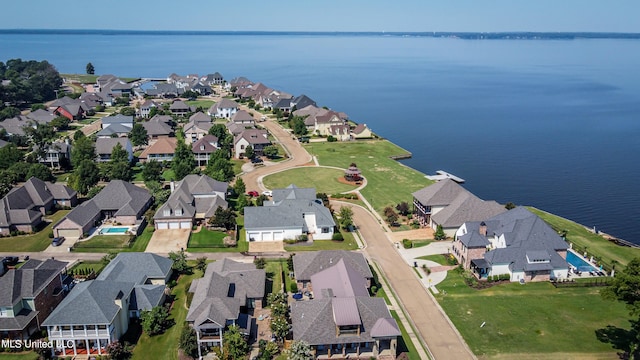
(115, 230)
(579, 263)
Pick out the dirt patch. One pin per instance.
(342, 180)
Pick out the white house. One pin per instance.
(293, 212)
(226, 108)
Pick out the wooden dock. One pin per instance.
(441, 175)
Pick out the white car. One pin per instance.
(267, 193)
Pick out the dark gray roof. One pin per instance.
(313, 321)
(28, 281)
(205, 145)
(114, 129)
(157, 128)
(117, 119)
(302, 101)
(287, 214)
(106, 145)
(179, 105)
(466, 207)
(19, 205)
(224, 288)
(82, 214)
(306, 264)
(60, 192)
(15, 125)
(194, 194)
(41, 116)
(440, 193)
(146, 297)
(293, 192)
(136, 267)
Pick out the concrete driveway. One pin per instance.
(165, 241)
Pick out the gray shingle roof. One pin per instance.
(114, 129)
(105, 145)
(306, 264)
(117, 119)
(136, 267)
(292, 192)
(287, 214)
(205, 145)
(28, 281)
(157, 128)
(441, 193)
(223, 104)
(194, 194)
(342, 279)
(466, 207)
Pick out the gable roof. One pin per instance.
(194, 195)
(199, 117)
(136, 267)
(302, 101)
(306, 264)
(242, 116)
(293, 192)
(28, 280)
(223, 104)
(342, 279)
(440, 193)
(205, 145)
(105, 145)
(117, 119)
(466, 207)
(19, 205)
(117, 128)
(253, 137)
(155, 127)
(161, 146)
(287, 214)
(179, 105)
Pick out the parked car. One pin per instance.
(256, 160)
(10, 260)
(253, 193)
(57, 241)
(267, 193)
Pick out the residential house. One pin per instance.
(15, 126)
(236, 129)
(516, 242)
(341, 320)
(361, 131)
(194, 198)
(118, 119)
(23, 208)
(283, 104)
(449, 205)
(244, 118)
(257, 138)
(324, 122)
(119, 201)
(225, 108)
(179, 107)
(161, 150)
(41, 116)
(104, 147)
(292, 213)
(72, 109)
(203, 148)
(202, 89)
(145, 108)
(158, 126)
(197, 127)
(226, 295)
(164, 90)
(340, 132)
(238, 82)
(212, 79)
(28, 296)
(57, 154)
(97, 312)
(301, 102)
(310, 263)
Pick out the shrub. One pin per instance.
(337, 236)
(303, 238)
(408, 244)
(50, 235)
(293, 287)
(374, 289)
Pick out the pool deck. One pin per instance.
(585, 274)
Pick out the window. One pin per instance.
(325, 230)
(166, 212)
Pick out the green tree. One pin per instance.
(241, 203)
(138, 135)
(249, 153)
(510, 205)
(260, 263)
(60, 123)
(179, 261)
(40, 171)
(403, 208)
(128, 111)
(234, 345)
(439, 234)
(9, 155)
(280, 327)
(346, 217)
(220, 167)
(183, 161)
(201, 263)
(152, 171)
(119, 166)
(300, 350)
(84, 176)
(261, 199)
(270, 151)
(94, 191)
(391, 215)
(19, 171)
(225, 218)
(154, 321)
(117, 351)
(189, 341)
(83, 149)
(90, 69)
(239, 186)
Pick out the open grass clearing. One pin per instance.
(595, 244)
(274, 270)
(96, 266)
(32, 242)
(102, 243)
(325, 180)
(388, 181)
(204, 104)
(535, 318)
(165, 346)
(242, 245)
(349, 243)
(207, 238)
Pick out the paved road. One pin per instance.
(442, 339)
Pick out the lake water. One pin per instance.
(549, 123)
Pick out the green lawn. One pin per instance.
(34, 242)
(237, 165)
(535, 318)
(168, 174)
(595, 244)
(381, 172)
(349, 243)
(242, 246)
(206, 238)
(82, 78)
(205, 104)
(103, 243)
(165, 346)
(92, 265)
(323, 179)
(404, 343)
(439, 258)
(19, 356)
(274, 280)
(141, 242)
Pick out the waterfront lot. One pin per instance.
(325, 180)
(531, 321)
(388, 181)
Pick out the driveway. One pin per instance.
(165, 241)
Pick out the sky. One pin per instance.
(327, 15)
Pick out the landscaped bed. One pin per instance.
(325, 180)
(531, 321)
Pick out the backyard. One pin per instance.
(325, 180)
(201, 239)
(33, 242)
(373, 159)
(532, 320)
(115, 243)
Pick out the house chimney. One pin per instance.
(483, 229)
(172, 185)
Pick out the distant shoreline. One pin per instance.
(514, 35)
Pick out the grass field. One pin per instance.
(91, 265)
(535, 319)
(165, 346)
(204, 104)
(349, 243)
(103, 243)
(273, 271)
(323, 179)
(34, 242)
(242, 246)
(206, 238)
(19, 356)
(594, 244)
(373, 159)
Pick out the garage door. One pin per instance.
(254, 236)
(69, 233)
(278, 236)
(185, 225)
(163, 225)
(267, 236)
(174, 225)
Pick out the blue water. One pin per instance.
(549, 123)
(116, 230)
(579, 263)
